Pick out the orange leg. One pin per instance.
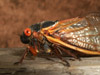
(33, 50)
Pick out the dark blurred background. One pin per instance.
(16, 15)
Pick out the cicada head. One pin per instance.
(27, 34)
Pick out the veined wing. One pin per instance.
(80, 32)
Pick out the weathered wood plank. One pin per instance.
(42, 66)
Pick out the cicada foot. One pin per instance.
(21, 60)
(79, 59)
(49, 59)
(65, 63)
(17, 63)
(57, 53)
(73, 59)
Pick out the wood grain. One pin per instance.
(42, 66)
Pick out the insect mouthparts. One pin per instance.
(24, 39)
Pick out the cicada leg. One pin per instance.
(57, 53)
(24, 55)
(33, 50)
(29, 48)
(69, 53)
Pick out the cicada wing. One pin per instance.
(82, 33)
(94, 20)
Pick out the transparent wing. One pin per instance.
(80, 32)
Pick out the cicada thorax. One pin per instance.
(83, 33)
(40, 40)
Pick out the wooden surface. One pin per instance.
(42, 66)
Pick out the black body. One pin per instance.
(36, 27)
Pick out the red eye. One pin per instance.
(27, 31)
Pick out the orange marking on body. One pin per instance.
(33, 50)
(54, 26)
(35, 34)
(63, 21)
(53, 40)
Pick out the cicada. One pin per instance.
(78, 34)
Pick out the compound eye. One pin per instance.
(27, 31)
